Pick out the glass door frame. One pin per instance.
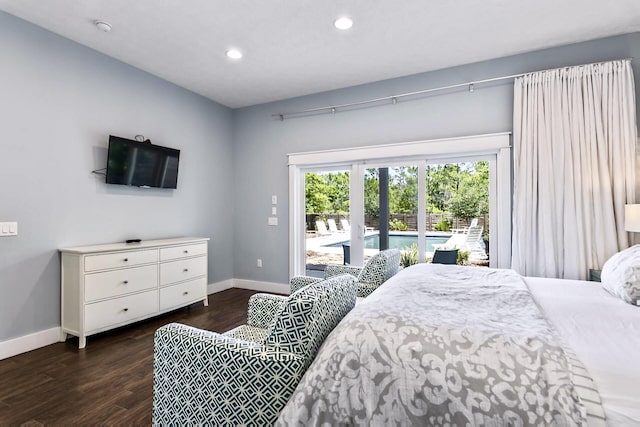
(421, 152)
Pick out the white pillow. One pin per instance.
(621, 275)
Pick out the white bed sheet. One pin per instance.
(604, 332)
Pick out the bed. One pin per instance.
(449, 345)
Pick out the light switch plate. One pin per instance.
(8, 229)
(274, 200)
(273, 220)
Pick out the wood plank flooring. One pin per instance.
(108, 382)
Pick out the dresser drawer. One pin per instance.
(119, 260)
(121, 310)
(185, 269)
(185, 251)
(113, 283)
(183, 293)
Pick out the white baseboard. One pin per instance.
(36, 340)
(254, 285)
(29, 342)
(213, 288)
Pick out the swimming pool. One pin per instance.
(400, 241)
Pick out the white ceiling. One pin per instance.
(291, 47)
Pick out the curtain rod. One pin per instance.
(394, 98)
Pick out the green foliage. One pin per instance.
(461, 189)
(472, 196)
(397, 225)
(371, 192)
(442, 181)
(317, 200)
(409, 256)
(444, 225)
(403, 189)
(327, 192)
(464, 205)
(463, 257)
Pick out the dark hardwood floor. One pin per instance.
(108, 382)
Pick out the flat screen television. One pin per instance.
(141, 164)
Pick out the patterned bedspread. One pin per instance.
(441, 345)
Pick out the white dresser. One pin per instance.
(106, 286)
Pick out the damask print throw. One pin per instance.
(442, 345)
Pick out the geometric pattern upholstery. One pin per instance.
(263, 309)
(248, 333)
(380, 268)
(246, 375)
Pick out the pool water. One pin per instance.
(399, 241)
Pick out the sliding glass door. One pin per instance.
(459, 203)
(327, 220)
(345, 212)
(390, 208)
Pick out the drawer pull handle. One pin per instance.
(186, 252)
(185, 270)
(126, 260)
(185, 293)
(125, 282)
(126, 309)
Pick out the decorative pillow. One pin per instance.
(621, 275)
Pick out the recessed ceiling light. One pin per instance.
(103, 26)
(234, 54)
(343, 23)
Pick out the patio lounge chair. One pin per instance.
(473, 243)
(346, 227)
(333, 228)
(322, 228)
(474, 223)
(470, 241)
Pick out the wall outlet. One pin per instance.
(8, 229)
(259, 263)
(274, 210)
(273, 220)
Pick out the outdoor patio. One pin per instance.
(320, 252)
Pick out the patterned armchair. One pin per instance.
(376, 271)
(246, 375)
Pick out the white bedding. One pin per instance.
(444, 345)
(604, 332)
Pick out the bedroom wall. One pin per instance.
(261, 143)
(59, 101)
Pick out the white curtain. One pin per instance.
(574, 138)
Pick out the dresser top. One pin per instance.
(145, 244)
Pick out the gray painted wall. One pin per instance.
(262, 143)
(59, 101)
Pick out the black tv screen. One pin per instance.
(141, 164)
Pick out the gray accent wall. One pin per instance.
(59, 101)
(261, 143)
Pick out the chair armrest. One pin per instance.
(263, 308)
(298, 282)
(365, 288)
(205, 378)
(335, 270)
